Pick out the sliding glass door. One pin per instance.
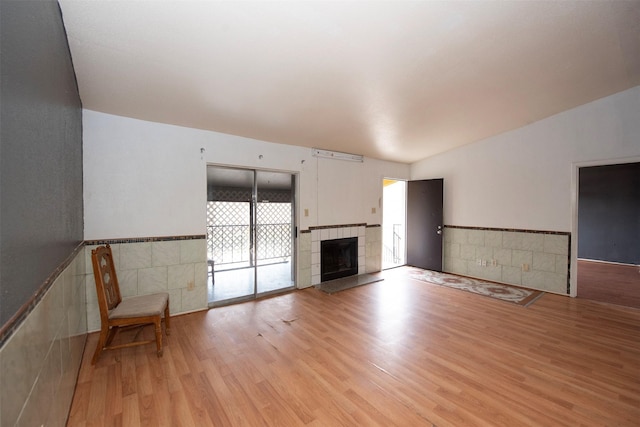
(250, 233)
(275, 231)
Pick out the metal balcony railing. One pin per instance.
(227, 244)
(393, 255)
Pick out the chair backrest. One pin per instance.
(104, 272)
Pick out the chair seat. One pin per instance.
(140, 306)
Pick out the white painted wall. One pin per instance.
(523, 178)
(141, 179)
(353, 189)
(145, 179)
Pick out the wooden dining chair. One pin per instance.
(116, 312)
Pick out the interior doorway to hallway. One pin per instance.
(394, 203)
(608, 256)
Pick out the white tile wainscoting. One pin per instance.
(40, 359)
(175, 265)
(369, 249)
(528, 258)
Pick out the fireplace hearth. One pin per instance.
(338, 258)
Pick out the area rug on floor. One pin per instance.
(499, 291)
(337, 285)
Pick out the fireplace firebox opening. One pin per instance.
(338, 258)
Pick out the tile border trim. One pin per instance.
(515, 230)
(324, 227)
(144, 239)
(7, 330)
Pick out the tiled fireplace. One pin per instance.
(338, 258)
(324, 234)
(369, 249)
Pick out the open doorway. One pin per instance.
(394, 202)
(250, 233)
(608, 255)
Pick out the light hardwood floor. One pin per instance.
(397, 352)
(609, 282)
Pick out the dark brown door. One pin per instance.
(424, 224)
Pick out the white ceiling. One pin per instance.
(396, 80)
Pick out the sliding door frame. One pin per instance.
(253, 231)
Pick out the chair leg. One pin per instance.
(158, 325)
(102, 340)
(111, 335)
(167, 320)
